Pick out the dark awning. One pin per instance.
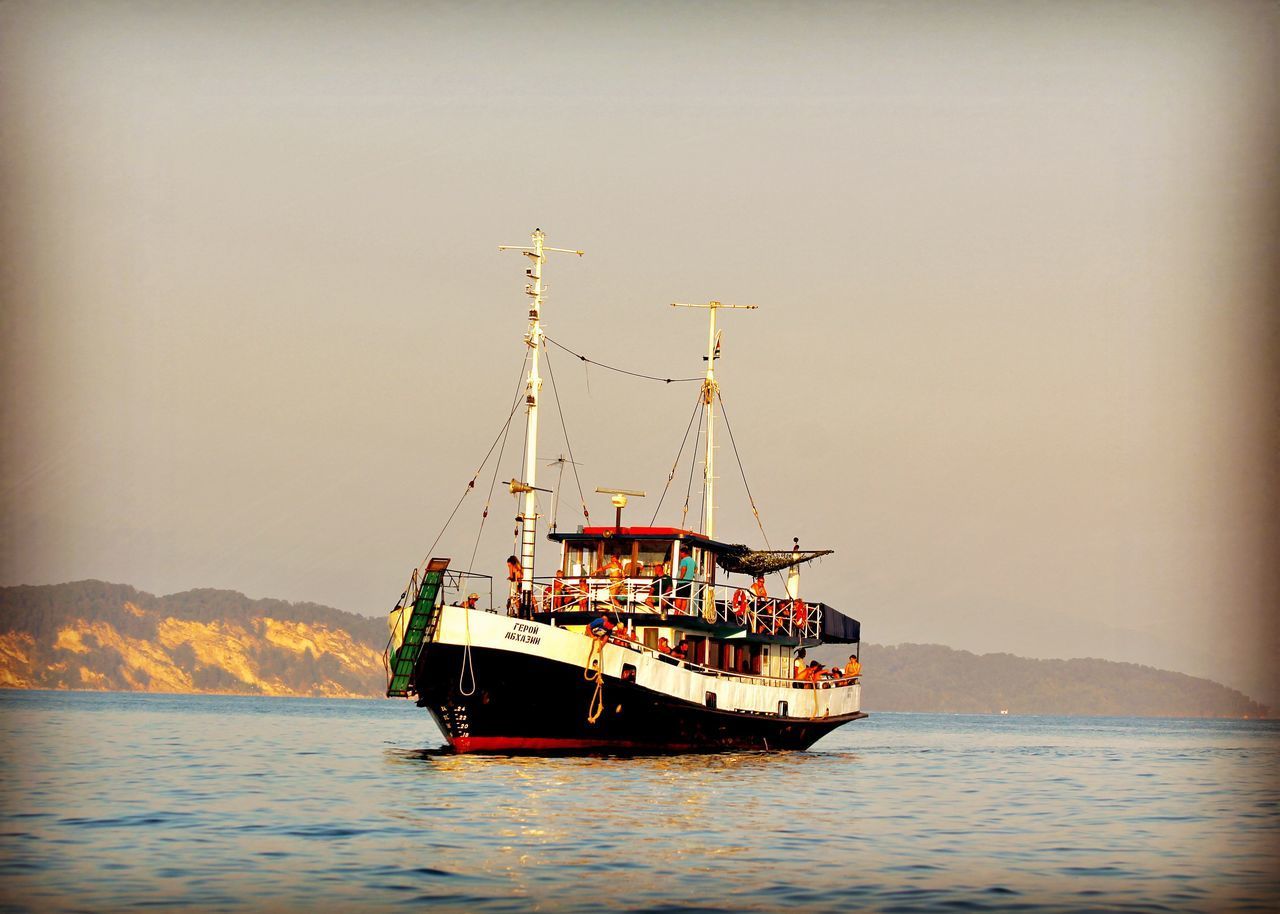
(742, 560)
(837, 628)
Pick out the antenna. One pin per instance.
(619, 500)
(709, 388)
(555, 499)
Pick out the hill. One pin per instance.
(94, 635)
(930, 677)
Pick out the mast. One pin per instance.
(709, 388)
(528, 517)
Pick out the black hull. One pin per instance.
(523, 704)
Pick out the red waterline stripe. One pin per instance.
(507, 743)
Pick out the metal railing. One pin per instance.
(717, 604)
(459, 583)
(733, 675)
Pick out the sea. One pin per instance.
(126, 801)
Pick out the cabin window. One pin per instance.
(628, 672)
(581, 561)
(650, 556)
(621, 550)
(782, 709)
(711, 699)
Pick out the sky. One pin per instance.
(1014, 361)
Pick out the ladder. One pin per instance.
(421, 628)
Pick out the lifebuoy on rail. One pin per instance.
(740, 604)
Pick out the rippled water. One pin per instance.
(114, 801)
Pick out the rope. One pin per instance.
(506, 428)
(467, 666)
(555, 393)
(724, 413)
(676, 463)
(755, 511)
(472, 484)
(634, 374)
(596, 707)
(684, 512)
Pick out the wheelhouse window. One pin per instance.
(650, 555)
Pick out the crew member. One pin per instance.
(688, 568)
(617, 580)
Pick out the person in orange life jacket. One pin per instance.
(664, 646)
(471, 600)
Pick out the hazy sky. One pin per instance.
(1016, 264)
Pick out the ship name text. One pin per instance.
(525, 634)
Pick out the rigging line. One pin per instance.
(634, 374)
(572, 462)
(472, 484)
(496, 466)
(724, 414)
(697, 404)
(684, 512)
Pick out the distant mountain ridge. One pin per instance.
(931, 677)
(95, 635)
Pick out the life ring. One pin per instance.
(739, 604)
(799, 613)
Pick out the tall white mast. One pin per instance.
(528, 519)
(709, 388)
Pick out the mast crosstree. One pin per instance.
(528, 516)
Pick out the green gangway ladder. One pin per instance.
(421, 627)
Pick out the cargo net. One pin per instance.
(759, 562)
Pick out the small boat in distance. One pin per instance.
(642, 640)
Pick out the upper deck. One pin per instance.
(634, 575)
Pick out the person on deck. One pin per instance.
(682, 649)
(800, 666)
(658, 590)
(600, 628)
(617, 580)
(852, 669)
(515, 574)
(557, 590)
(685, 573)
(471, 601)
(664, 646)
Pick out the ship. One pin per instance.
(643, 639)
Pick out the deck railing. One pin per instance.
(782, 682)
(717, 604)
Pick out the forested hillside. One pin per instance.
(94, 635)
(930, 677)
